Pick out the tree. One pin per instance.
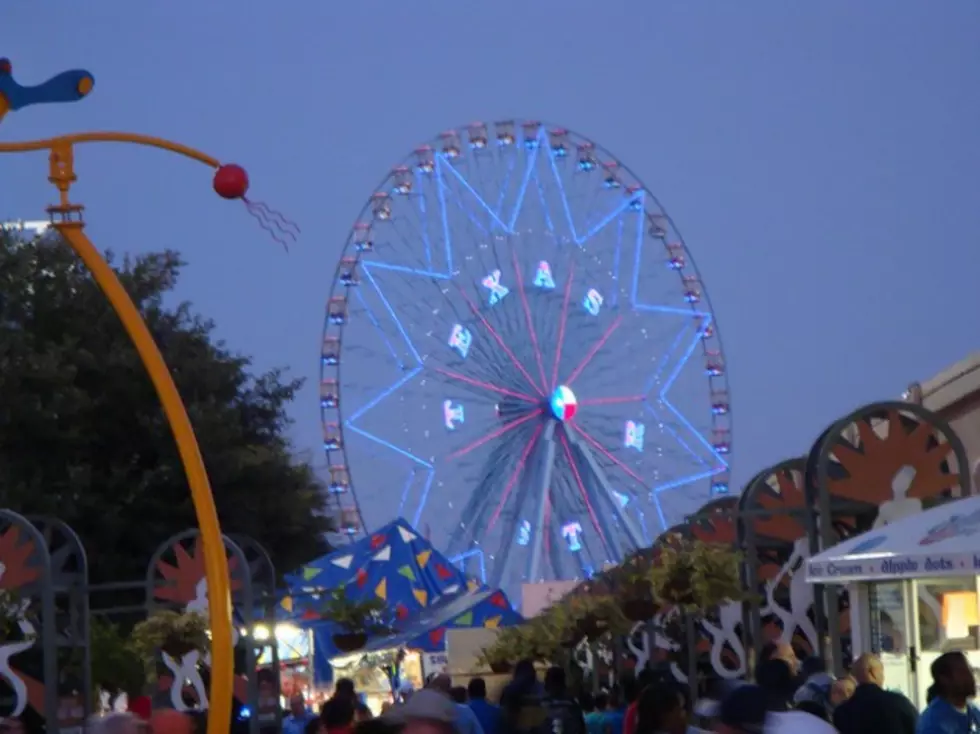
(83, 436)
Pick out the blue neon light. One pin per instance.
(459, 562)
(524, 533)
(572, 533)
(374, 322)
(592, 302)
(452, 414)
(460, 339)
(543, 277)
(633, 434)
(497, 289)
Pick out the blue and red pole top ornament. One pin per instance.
(69, 86)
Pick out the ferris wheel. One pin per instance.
(521, 359)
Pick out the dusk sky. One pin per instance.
(820, 158)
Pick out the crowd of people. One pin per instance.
(785, 696)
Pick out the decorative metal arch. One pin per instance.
(179, 584)
(262, 572)
(27, 571)
(773, 518)
(69, 578)
(882, 461)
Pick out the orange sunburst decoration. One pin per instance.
(180, 580)
(863, 463)
(715, 522)
(16, 557)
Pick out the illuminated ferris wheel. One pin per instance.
(521, 359)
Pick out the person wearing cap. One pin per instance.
(427, 712)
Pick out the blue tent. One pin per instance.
(394, 564)
(425, 591)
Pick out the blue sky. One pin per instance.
(820, 158)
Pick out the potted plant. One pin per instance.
(175, 633)
(357, 620)
(696, 576)
(635, 591)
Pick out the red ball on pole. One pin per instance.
(230, 181)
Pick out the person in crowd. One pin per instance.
(299, 715)
(362, 712)
(486, 713)
(780, 651)
(950, 710)
(562, 713)
(466, 721)
(661, 709)
(112, 723)
(428, 711)
(405, 691)
(646, 677)
(521, 702)
(314, 726)
(841, 690)
(615, 716)
(741, 710)
(778, 683)
(344, 688)
(458, 694)
(596, 719)
(169, 721)
(815, 690)
(872, 708)
(337, 715)
(377, 726)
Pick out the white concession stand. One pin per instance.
(913, 591)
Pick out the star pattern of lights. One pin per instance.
(521, 359)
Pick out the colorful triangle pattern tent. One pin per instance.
(426, 593)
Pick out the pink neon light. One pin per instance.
(527, 317)
(495, 434)
(592, 352)
(613, 400)
(605, 452)
(561, 325)
(582, 491)
(528, 447)
(496, 336)
(486, 385)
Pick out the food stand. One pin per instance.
(913, 589)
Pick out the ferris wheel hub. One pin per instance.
(563, 403)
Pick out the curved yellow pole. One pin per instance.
(215, 558)
(63, 141)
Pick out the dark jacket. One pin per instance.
(872, 710)
(564, 716)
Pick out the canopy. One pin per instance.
(943, 541)
(427, 631)
(395, 564)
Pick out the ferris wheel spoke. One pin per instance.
(496, 433)
(539, 529)
(633, 532)
(613, 400)
(562, 321)
(496, 337)
(530, 323)
(585, 494)
(595, 349)
(515, 475)
(608, 454)
(487, 386)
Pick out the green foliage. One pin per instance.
(697, 576)
(82, 434)
(12, 607)
(175, 633)
(355, 616)
(116, 665)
